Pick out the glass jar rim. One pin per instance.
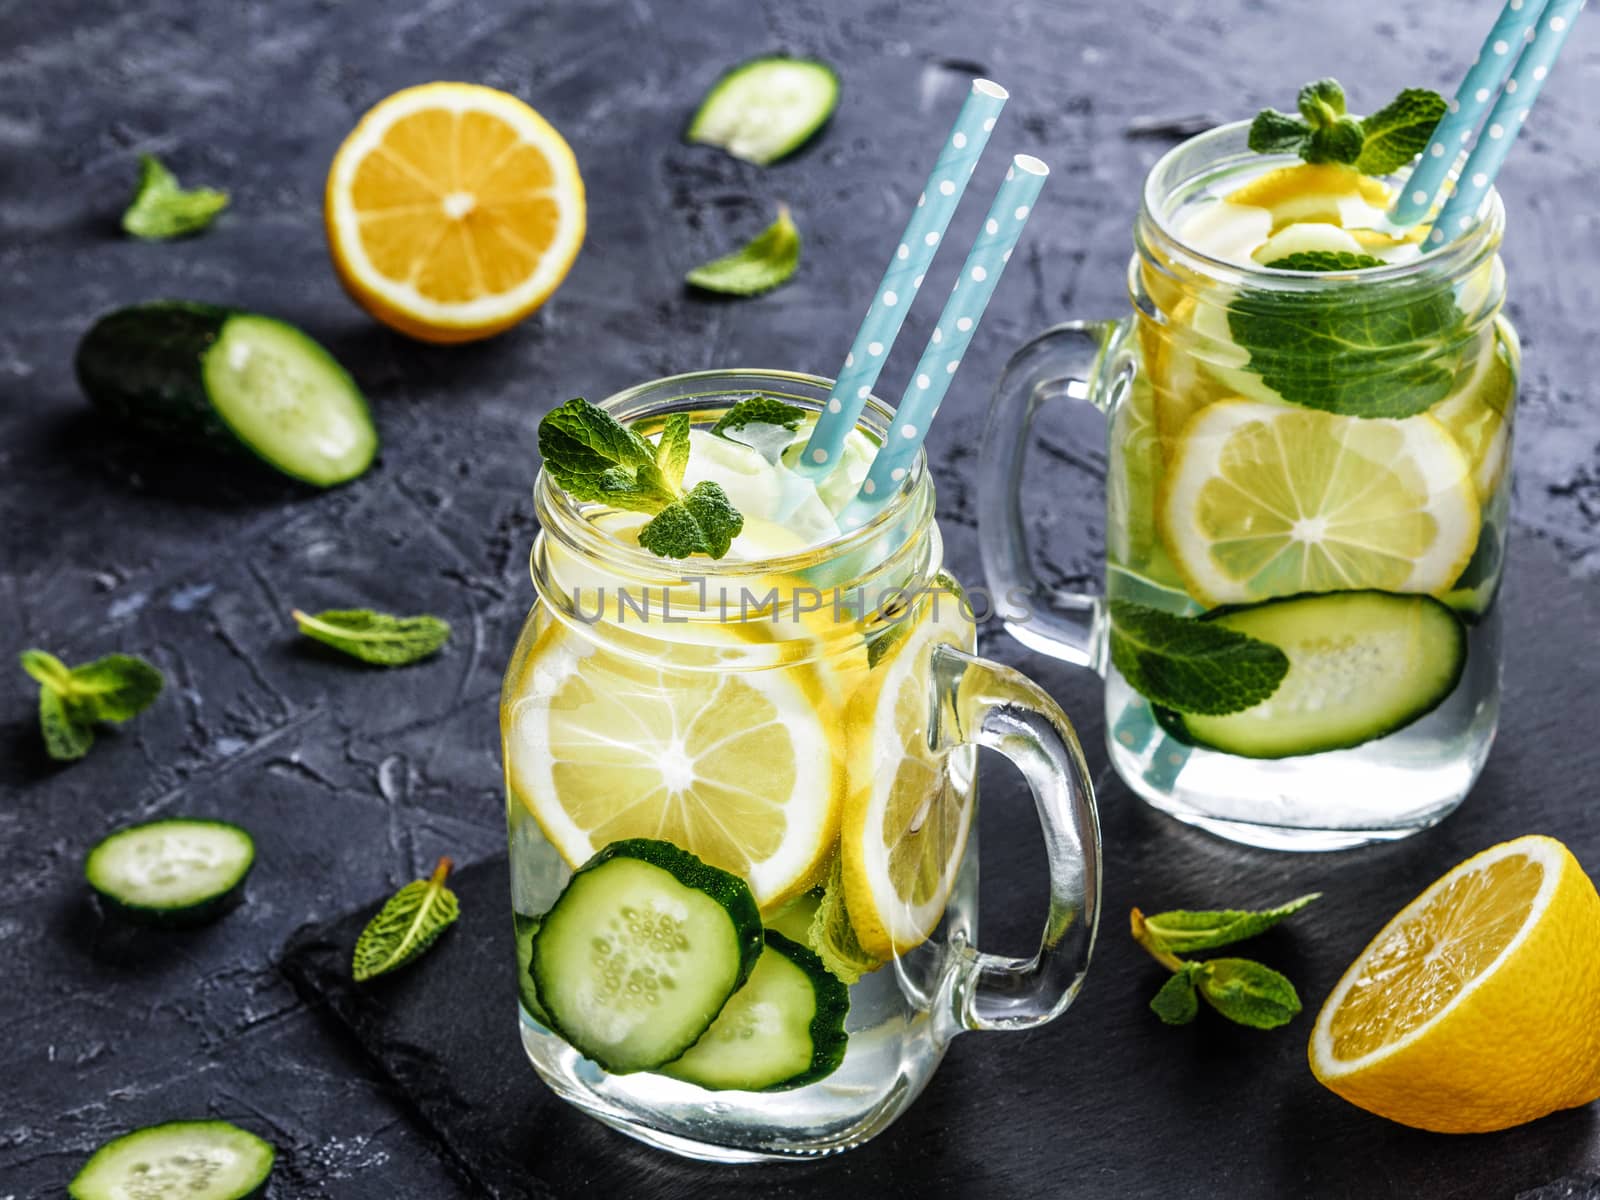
(562, 517)
(1457, 257)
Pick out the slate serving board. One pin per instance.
(1106, 1101)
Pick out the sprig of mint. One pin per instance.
(73, 699)
(374, 637)
(833, 937)
(1325, 132)
(758, 266)
(592, 456)
(160, 209)
(1325, 260)
(406, 926)
(1192, 665)
(1241, 989)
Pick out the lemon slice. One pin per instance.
(1476, 413)
(908, 810)
(1478, 1006)
(453, 211)
(1265, 500)
(1324, 192)
(741, 768)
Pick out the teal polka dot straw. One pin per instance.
(1505, 120)
(957, 323)
(918, 244)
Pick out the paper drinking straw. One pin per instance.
(1505, 121)
(962, 312)
(1485, 77)
(918, 244)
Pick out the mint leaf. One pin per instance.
(1321, 102)
(1191, 665)
(702, 522)
(672, 449)
(67, 734)
(1335, 135)
(759, 266)
(759, 410)
(406, 926)
(1184, 932)
(1399, 131)
(1325, 260)
(1324, 350)
(46, 669)
(589, 454)
(1176, 1003)
(160, 209)
(374, 637)
(833, 937)
(1273, 132)
(1246, 992)
(72, 699)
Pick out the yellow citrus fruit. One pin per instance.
(1310, 192)
(741, 768)
(453, 211)
(1478, 1006)
(1478, 411)
(1265, 500)
(908, 808)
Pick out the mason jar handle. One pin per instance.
(1062, 363)
(982, 703)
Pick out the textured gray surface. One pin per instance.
(355, 782)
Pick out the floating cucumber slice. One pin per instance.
(639, 954)
(175, 870)
(180, 1160)
(766, 108)
(783, 1029)
(1361, 665)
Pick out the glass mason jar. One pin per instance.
(807, 721)
(1342, 437)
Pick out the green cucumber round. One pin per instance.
(1362, 665)
(217, 377)
(767, 108)
(783, 1029)
(180, 1160)
(174, 871)
(641, 951)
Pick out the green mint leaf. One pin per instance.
(1176, 1003)
(702, 522)
(1324, 349)
(406, 926)
(1321, 102)
(374, 637)
(759, 266)
(160, 209)
(67, 734)
(1191, 665)
(46, 669)
(759, 410)
(1273, 132)
(1399, 131)
(1247, 993)
(1339, 142)
(672, 449)
(114, 688)
(1325, 260)
(1184, 932)
(589, 453)
(832, 936)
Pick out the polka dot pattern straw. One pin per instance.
(909, 263)
(957, 323)
(1485, 78)
(1505, 121)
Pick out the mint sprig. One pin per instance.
(160, 209)
(1325, 132)
(592, 456)
(72, 700)
(1190, 665)
(758, 266)
(1240, 989)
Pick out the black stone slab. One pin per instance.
(1106, 1101)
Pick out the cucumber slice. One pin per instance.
(175, 870)
(766, 108)
(640, 952)
(1361, 665)
(781, 1030)
(180, 1160)
(218, 377)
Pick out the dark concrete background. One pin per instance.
(354, 782)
